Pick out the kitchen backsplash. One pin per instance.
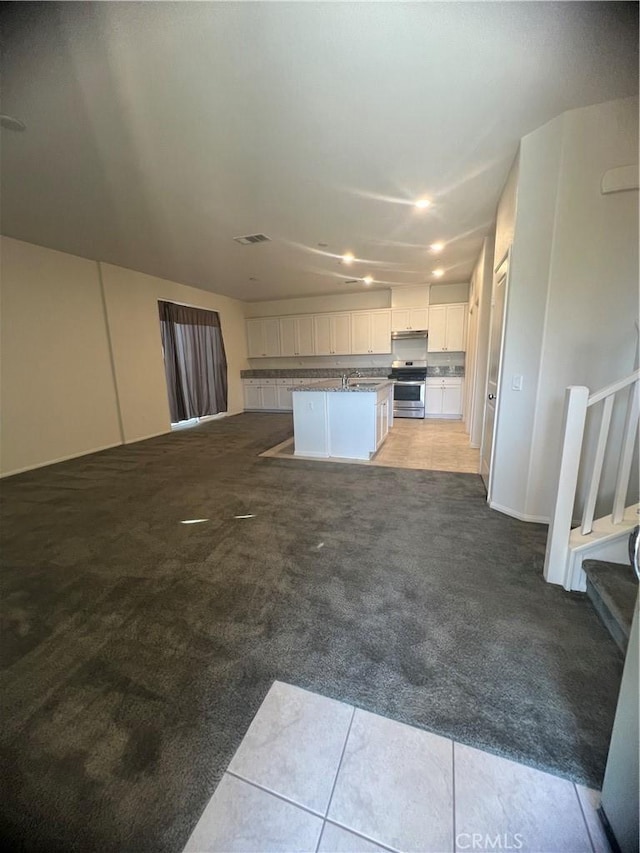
(331, 372)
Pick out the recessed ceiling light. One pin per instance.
(252, 278)
(436, 247)
(348, 258)
(368, 279)
(422, 203)
(438, 273)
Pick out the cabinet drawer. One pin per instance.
(260, 381)
(439, 381)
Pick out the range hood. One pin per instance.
(412, 333)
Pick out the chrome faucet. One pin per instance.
(347, 376)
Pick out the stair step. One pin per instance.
(612, 589)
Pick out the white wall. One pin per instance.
(590, 336)
(364, 301)
(132, 310)
(410, 297)
(58, 394)
(533, 234)
(79, 372)
(573, 291)
(441, 294)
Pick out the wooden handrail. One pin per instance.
(613, 388)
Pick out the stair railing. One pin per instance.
(577, 403)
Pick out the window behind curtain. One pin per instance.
(194, 360)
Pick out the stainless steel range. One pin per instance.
(410, 388)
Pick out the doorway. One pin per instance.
(496, 342)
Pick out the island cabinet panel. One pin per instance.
(263, 337)
(447, 328)
(311, 430)
(382, 421)
(296, 336)
(332, 334)
(345, 423)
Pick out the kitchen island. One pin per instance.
(334, 420)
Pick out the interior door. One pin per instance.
(496, 336)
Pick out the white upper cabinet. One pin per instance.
(332, 334)
(345, 333)
(296, 336)
(263, 337)
(370, 332)
(447, 328)
(409, 319)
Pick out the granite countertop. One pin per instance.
(354, 387)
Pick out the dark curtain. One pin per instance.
(194, 360)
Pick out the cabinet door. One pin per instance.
(269, 396)
(400, 320)
(418, 318)
(272, 336)
(361, 333)
(252, 397)
(380, 332)
(256, 345)
(452, 400)
(341, 328)
(322, 331)
(456, 315)
(304, 336)
(437, 340)
(285, 397)
(433, 400)
(288, 344)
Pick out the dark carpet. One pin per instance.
(136, 649)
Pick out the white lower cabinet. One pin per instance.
(260, 394)
(252, 397)
(269, 397)
(270, 394)
(444, 397)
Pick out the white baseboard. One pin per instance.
(521, 516)
(59, 459)
(145, 437)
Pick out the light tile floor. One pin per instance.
(314, 774)
(428, 445)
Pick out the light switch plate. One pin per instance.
(516, 383)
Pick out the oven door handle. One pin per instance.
(402, 382)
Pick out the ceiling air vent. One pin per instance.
(252, 238)
(352, 281)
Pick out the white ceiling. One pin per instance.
(157, 132)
